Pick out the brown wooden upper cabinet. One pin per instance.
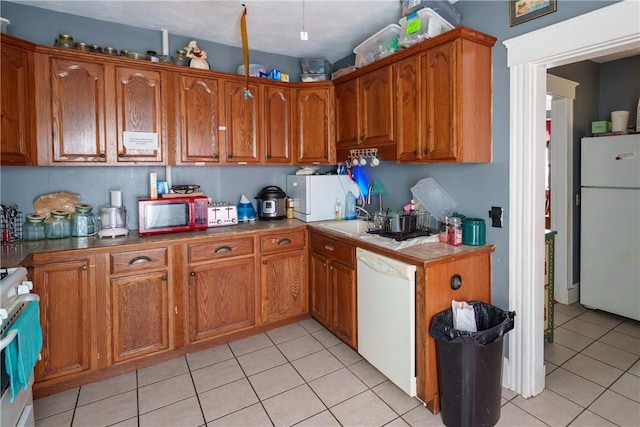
(86, 106)
(278, 115)
(243, 122)
(17, 108)
(199, 111)
(444, 104)
(365, 116)
(314, 130)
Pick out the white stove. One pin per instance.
(15, 295)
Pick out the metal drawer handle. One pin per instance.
(222, 249)
(284, 242)
(329, 247)
(456, 282)
(139, 260)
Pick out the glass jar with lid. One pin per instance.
(58, 225)
(455, 231)
(83, 223)
(33, 228)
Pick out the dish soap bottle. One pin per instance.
(350, 206)
(338, 210)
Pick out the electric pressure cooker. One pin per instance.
(271, 203)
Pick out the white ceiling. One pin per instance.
(334, 27)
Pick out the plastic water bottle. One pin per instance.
(350, 206)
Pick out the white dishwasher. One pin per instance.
(387, 317)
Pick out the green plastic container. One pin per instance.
(473, 231)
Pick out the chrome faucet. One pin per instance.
(362, 213)
(370, 189)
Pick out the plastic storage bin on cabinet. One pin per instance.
(422, 25)
(470, 365)
(444, 8)
(380, 45)
(306, 77)
(315, 66)
(254, 70)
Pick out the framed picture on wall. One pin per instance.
(525, 10)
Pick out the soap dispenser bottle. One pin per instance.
(350, 206)
(338, 209)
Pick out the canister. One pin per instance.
(473, 231)
(58, 225)
(33, 228)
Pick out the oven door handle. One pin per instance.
(4, 342)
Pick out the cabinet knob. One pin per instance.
(120, 154)
(215, 156)
(101, 155)
(229, 156)
(163, 278)
(264, 262)
(456, 282)
(329, 247)
(192, 274)
(84, 268)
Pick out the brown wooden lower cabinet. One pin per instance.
(221, 298)
(435, 288)
(66, 293)
(140, 315)
(332, 283)
(283, 275)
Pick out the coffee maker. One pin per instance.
(113, 218)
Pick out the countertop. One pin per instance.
(13, 254)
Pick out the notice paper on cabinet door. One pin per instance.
(140, 140)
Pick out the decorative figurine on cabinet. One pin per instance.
(197, 55)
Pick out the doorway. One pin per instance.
(604, 31)
(562, 201)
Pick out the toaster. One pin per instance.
(221, 214)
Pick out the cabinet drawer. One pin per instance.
(332, 248)
(220, 249)
(121, 262)
(278, 242)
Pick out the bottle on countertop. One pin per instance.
(338, 210)
(350, 206)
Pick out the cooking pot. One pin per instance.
(271, 203)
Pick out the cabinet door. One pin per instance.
(343, 284)
(314, 125)
(319, 285)
(138, 98)
(243, 136)
(277, 125)
(199, 120)
(409, 116)
(139, 315)
(377, 108)
(346, 112)
(440, 102)
(78, 115)
(221, 298)
(17, 139)
(284, 285)
(65, 316)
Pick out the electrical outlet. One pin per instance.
(496, 216)
(304, 35)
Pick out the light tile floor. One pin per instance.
(301, 374)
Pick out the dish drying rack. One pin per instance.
(403, 226)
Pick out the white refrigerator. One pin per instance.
(610, 224)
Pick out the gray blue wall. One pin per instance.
(475, 187)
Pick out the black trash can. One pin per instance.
(470, 365)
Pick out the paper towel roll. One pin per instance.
(116, 198)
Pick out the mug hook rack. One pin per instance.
(360, 156)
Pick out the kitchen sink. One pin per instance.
(358, 229)
(352, 228)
